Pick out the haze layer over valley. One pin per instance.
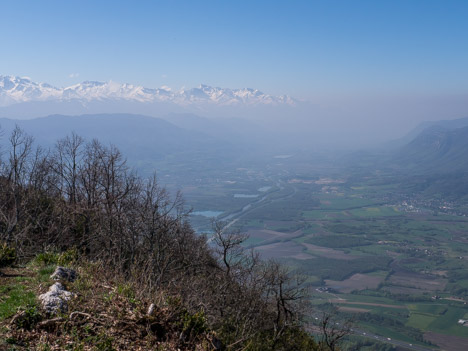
(235, 175)
(320, 123)
(363, 226)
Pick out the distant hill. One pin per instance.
(123, 129)
(144, 140)
(445, 124)
(436, 149)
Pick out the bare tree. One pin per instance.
(228, 246)
(69, 152)
(20, 151)
(287, 293)
(333, 329)
(15, 172)
(84, 195)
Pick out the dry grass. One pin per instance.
(106, 314)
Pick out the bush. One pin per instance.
(47, 258)
(7, 255)
(28, 318)
(104, 343)
(194, 324)
(68, 257)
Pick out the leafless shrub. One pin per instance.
(82, 195)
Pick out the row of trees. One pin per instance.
(82, 195)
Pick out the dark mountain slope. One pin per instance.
(124, 129)
(436, 150)
(144, 140)
(445, 124)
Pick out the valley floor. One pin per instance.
(398, 264)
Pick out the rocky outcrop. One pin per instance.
(55, 300)
(63, 274)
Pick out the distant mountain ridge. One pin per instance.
(15, 90)
(412, 134)
(148, 142)
(437, 148)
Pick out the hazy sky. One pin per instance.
(318, 50)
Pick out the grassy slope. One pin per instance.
(108, 315)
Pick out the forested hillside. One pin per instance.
(80, 200)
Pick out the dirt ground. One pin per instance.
(448, 342)
(418, 281)
(287, 249)
(329, 253)
(341, 301)
(352, 309)
(355, 282)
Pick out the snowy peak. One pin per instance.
(234, 96)
(90, 90)
(23, 89)
(20, 89)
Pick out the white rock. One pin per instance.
(55, 299)
(64, 274)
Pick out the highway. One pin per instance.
(394, 342)
(265, 200)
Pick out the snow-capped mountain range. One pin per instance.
(15, 90)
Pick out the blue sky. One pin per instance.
(309, 49)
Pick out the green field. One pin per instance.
(347, 236)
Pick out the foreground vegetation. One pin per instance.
(80, 204)
(107, 313)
